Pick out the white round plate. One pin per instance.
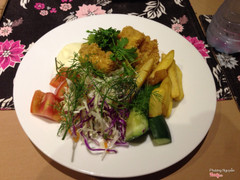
(188, 124)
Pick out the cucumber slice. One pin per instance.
(137, 125)
(159, 130)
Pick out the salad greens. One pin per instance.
(98, 105)
(95, 104)
(104, 109)
(141, 99)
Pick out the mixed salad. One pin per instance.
(105, 98)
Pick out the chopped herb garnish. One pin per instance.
(122, 54)
(116, 89)
(107, 40)
(141, 99)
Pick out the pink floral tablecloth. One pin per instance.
(25, 21)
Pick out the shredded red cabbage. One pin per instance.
(116, 117)
(97, 149)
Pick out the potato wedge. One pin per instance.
(163, 55)
(155, 102)
(160, 72)
(172, 73)
(169, 110)
(160, 102)
(179, 78)
(144, 72)
(167, 99)
(158, 77)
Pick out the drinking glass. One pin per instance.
(223, 32)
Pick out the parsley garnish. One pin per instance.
(107, 40)
(121, 54)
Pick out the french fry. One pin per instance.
(160, 72)
(179, 77)
(160, 102)
(163, 55)
(161, 99)
(170, 105)
(144, 72)
(167, 99)
(155, 102)
(172, 72)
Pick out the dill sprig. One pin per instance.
(116, 89)
(77, 90)
(120, 89)
(141, 99)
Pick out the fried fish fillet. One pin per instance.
(134, 37)
(146, 48)
(99, 58)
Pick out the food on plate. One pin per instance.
(180, 86)
(146, 48)
(137, 124)
(166, 99)
(135, 38)
(99, 58)
(66, 54)
(112, 89)
(43, 105)
(161, 71)
(160, 131)
(144, 72)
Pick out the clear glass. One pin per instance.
(223, 32)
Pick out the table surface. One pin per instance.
(218, 153)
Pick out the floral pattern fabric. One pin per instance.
(24, 23)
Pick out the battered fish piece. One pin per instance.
(99, 58)
(135, 37)
(147, 50)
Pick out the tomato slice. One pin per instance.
(43, 104)
(58, 79)
(61, 89)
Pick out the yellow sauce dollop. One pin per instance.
(66, 54)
